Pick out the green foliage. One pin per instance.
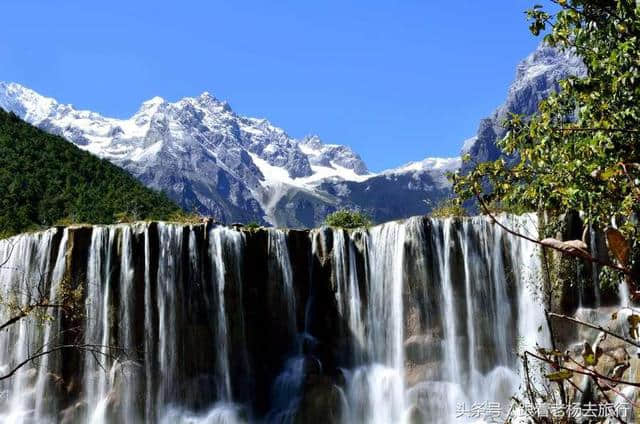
(581, 150)
(448, 208)
(126, 217)
(32, 301)
(252, 225)
(347, 219)
(45, 180)
(183, 217)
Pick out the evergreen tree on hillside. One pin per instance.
(47, 180)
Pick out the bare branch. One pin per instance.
(597, 327)
(95, 349)
(585, 129)
(27, 310)
(590, 373)
(6, 260)
(575, 254)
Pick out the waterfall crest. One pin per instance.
(206, 324)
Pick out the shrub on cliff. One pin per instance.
(348, 219)
(448, 208)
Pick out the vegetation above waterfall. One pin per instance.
(448, 208)
(348, 219)
(47, 180)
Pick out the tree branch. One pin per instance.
(580, 255)
(596, 327)
(83, 347)
(595, 129)
(590, 373)
(6, 260)
(24, 313)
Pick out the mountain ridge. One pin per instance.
(215, 162)
(207, 157)
(47, 180)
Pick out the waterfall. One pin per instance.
(97, 323)
(348, 291)
(222, 339)
(287, 386)
(376, 392)
(201, 323)
(280, 268)
(487, 282)
(168, 276)
(29, 274)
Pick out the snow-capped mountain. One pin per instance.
(213, 161)
(437, 168)
(537, 76)
(235, 168)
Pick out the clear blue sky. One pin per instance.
(395, 80)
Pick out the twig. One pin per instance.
(6, 260)
(596, 327)
(86, 347)
(519, 402)
(591, 373)
(540, 243)
(630, 179)
(595, 129)
(25, 312)
(597, 383)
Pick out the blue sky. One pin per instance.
(395, 80)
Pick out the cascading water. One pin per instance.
(29, 274)
(375, 389)
(97, 327)
(206, 324)
(487, 281)
(287, 386)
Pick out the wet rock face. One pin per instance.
(615, 358)
(581, 286)
(322, 401)
(74, 413)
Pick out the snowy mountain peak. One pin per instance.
(149, 107)
(546, 63)
(214, 161)
(436, 168)
(537, 76)
(155, 101)
(429, 164)
(207, 101)
(332, 155)
(25, 102)
(468, 144)
(313, 141)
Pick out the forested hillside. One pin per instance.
(45, 179)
